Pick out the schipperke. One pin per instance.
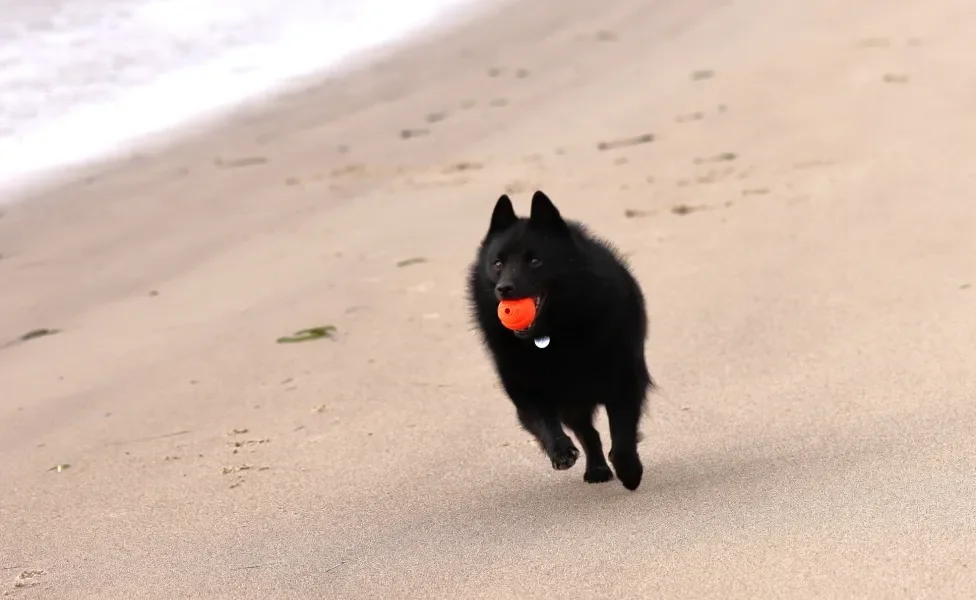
(586, 345)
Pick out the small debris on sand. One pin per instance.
(305, 335)
(624, 142)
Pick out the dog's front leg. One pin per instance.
(549, 432)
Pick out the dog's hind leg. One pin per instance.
(554, 441)
(624, 415)
(597, 469)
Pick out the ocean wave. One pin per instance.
(87, 78)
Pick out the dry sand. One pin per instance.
(804, 226)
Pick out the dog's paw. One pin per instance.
(629, 469)
(564, 455)
(598, 474)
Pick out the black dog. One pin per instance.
(586, 345)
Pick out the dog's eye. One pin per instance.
(535, 262)
(497, 265)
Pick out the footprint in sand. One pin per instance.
(408, 134)
(28, 579)
(689, 117)
(895, 78)
(233, 163)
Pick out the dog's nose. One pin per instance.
(504, 289)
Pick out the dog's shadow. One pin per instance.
(517, 515)
(677, 486)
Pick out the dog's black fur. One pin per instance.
(592, 309)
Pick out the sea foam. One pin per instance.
(91, 78)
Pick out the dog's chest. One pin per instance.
(566, 361)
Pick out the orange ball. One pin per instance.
(517, 314)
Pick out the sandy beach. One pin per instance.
(802, 223)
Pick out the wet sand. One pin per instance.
(802, 223)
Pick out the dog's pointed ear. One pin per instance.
(545, 215)
(503, 216)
